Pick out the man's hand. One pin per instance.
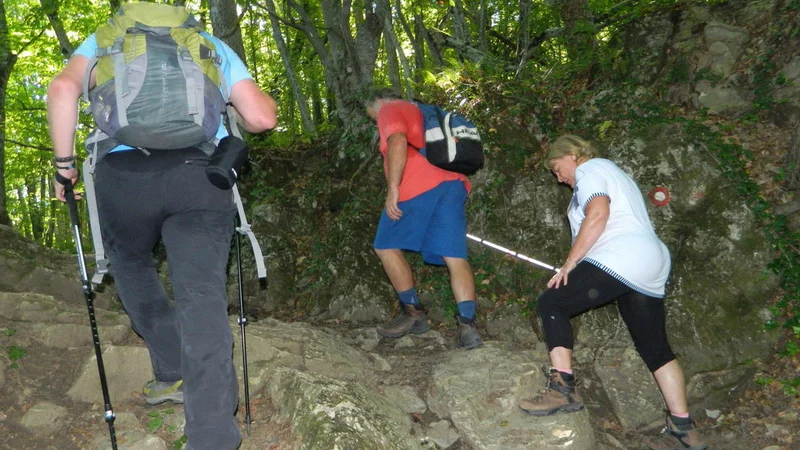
(70, 174)
(561, 275)
(392, 210)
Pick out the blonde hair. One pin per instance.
(569, 144)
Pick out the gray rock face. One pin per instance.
(127, 369)
(719, 99)
(45, 417)
(28, 267)
(724, 44)
(332, 414)
(507, 322)
(406, 398)
(479, 390)
(634, 404)
(442, 434)
(66, 335)
(132, 440)
(272, 344)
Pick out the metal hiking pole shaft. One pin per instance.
(88, 293)
(513, 253)
(242, 330)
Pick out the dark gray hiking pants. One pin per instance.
(166, 195)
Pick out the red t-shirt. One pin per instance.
(419, 175)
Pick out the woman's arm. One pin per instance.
(592, 227)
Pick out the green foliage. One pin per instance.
(178, 444)
(14, 354)
(156, 420)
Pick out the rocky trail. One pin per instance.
(324, 387)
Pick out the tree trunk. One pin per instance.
(392, 64)
(460, 31)
(793, 161)
(356, 56)
(299, 97)
(49, 234)
(253, 61)
(23, 212)
(225, 21)
(329, 68)
(50, 8)
(7, 61)
(482, 20)
(417, 43)
(433, 48)
(390, 39)
(524, 27)
(34, 210)
(348, 62)
(573, 13)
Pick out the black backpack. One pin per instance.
(452, 142)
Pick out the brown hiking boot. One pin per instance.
(558, 395)
(411, 319)
(678, 437)
(468, 336)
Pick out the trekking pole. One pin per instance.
(88, 293)
(242, 320)
(513, 253)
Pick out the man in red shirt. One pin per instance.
(424, 212)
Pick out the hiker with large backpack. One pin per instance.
(158, 88)
(424, 212)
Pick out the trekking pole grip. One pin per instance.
(69, 195)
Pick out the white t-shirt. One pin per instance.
(628, 249)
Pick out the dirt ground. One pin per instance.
(757, 417)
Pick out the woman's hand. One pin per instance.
(561, 275)
(71, 175)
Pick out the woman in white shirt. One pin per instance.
(615, 256)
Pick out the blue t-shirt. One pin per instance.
(233, 69)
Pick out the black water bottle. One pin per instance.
(225, 164)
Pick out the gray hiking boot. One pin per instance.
(411, 319)
(157, 392)
(678, 437)
(468, 336)
(558, 395)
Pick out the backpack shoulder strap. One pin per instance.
(244, 228)
(91, 204)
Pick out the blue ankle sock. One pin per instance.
(467, 309)
(409, 297)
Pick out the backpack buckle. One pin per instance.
(113, 49)
(185, 54)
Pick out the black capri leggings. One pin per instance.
(589, 287)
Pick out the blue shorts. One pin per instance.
(434, 223)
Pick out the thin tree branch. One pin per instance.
(33, 146)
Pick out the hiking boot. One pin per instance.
(558, 395)
(156, 392)
(678, 437)
(468, 336)
(412, 319)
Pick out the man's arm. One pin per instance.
(257, 111)
(396, 157)
(62, 114)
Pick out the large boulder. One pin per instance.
(478, 391)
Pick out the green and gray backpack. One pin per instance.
(157, 79)
(158, 86)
